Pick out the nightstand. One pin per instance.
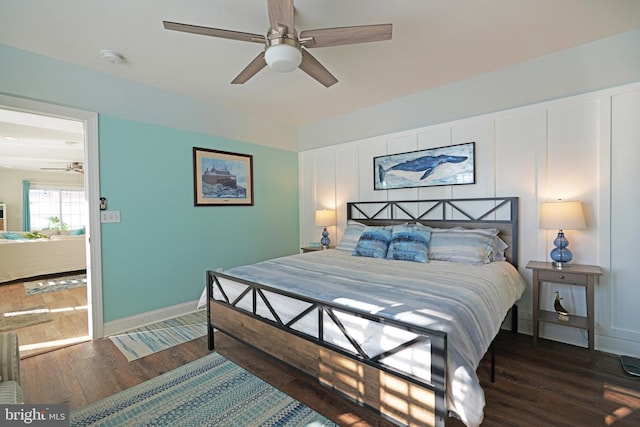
(576, 275)
(306, 249)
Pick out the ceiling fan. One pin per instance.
(285, 50)
(71, 167)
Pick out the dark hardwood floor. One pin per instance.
(551, 385)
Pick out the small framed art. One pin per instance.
(450, 165)
(221, 178)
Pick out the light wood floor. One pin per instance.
(68, 309)
(551, 385)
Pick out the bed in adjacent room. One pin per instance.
(398, 316)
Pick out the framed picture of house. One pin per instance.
(221, 178)
(450, 165)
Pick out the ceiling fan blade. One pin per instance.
(214, 32)
(281, 14)
(250, 70)
(326, 37)
(315, 69)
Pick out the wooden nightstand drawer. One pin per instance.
(563, 276)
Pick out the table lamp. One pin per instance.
(561, 216)
(325, 218)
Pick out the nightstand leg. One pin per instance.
(591, 315)
(536, 306)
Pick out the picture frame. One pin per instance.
(448, 165)
(222, 178)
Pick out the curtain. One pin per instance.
(26, 212)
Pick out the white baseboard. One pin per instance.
(142, 319)
(617, 346)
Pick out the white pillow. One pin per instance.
(466, 246)
(351, 236)
(498, 247)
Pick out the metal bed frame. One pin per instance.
(245, 311)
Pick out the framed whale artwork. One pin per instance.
(450, 165)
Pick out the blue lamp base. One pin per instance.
(561, 255)
(325, 241)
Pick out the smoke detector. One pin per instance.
(111, 56)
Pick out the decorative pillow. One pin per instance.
(466, 246)
(409, 243)
(35, 235)
(373, 242)
(351, 236)
(48, 233)
(78, 232)
(13, 236)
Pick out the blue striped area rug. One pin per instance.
(141, 342)
(211, 391)
(54, 284)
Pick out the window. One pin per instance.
(57, 209)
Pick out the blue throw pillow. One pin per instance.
(373, 242)
(409, 243)
(78, 232)
(13, 236)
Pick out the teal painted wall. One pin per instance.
(158, 254)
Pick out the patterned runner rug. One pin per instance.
(141, 342)
(55, 284)
(24, 317)
(211, 391)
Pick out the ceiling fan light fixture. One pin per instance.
(283, 57)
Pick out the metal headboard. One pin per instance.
(492, 212)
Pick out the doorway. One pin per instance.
(90, 182)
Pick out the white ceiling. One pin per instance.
(31, 142)
(435, 42)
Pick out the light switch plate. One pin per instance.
(109, 216)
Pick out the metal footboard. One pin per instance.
(337, 329)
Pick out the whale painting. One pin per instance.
(449, 165)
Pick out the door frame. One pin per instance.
(89, 119)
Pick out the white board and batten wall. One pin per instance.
(584, 148)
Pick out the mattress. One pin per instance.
(468, 302)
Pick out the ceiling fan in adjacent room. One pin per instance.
(71, 167)
(285, 50)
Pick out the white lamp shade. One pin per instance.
(325, 217)
(561, 216)
(283, 58)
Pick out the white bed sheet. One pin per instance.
(468, 302)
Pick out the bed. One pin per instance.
(401, 336)
(24, 258)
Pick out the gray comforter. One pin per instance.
(468, 302)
